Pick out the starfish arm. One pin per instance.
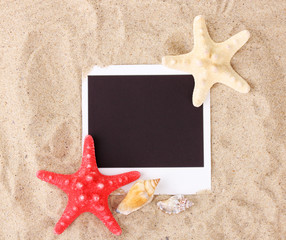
(88, 156)
(107, 218)
(200, 31)
(180, 62)
(233, 44)
(60, 180)
(117, 181)
(88, 147)
(232, 79)
(69, 215)
(201, 91)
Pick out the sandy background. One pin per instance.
(44, 48)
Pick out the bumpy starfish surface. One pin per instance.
(88, 190)
(209, 62)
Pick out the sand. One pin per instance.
(45, 46)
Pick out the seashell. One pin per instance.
(175, 204)
(140, 194)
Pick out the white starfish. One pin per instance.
(209, 62)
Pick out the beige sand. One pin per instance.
(45, 46)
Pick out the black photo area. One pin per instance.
(145, 121)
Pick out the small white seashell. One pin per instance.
(140, 194)
(175, 204)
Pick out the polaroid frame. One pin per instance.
(174, 180)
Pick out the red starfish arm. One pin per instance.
(119, 180)
(106, 217)
(88, 156)
(60, 180)
(69, 215)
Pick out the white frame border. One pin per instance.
(189, 180)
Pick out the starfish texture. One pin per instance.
(88, 190)
(209, 62)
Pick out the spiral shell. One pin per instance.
(140, 194)
(175, 204)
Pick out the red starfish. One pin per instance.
(88, 190)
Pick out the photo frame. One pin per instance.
(174, 180)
